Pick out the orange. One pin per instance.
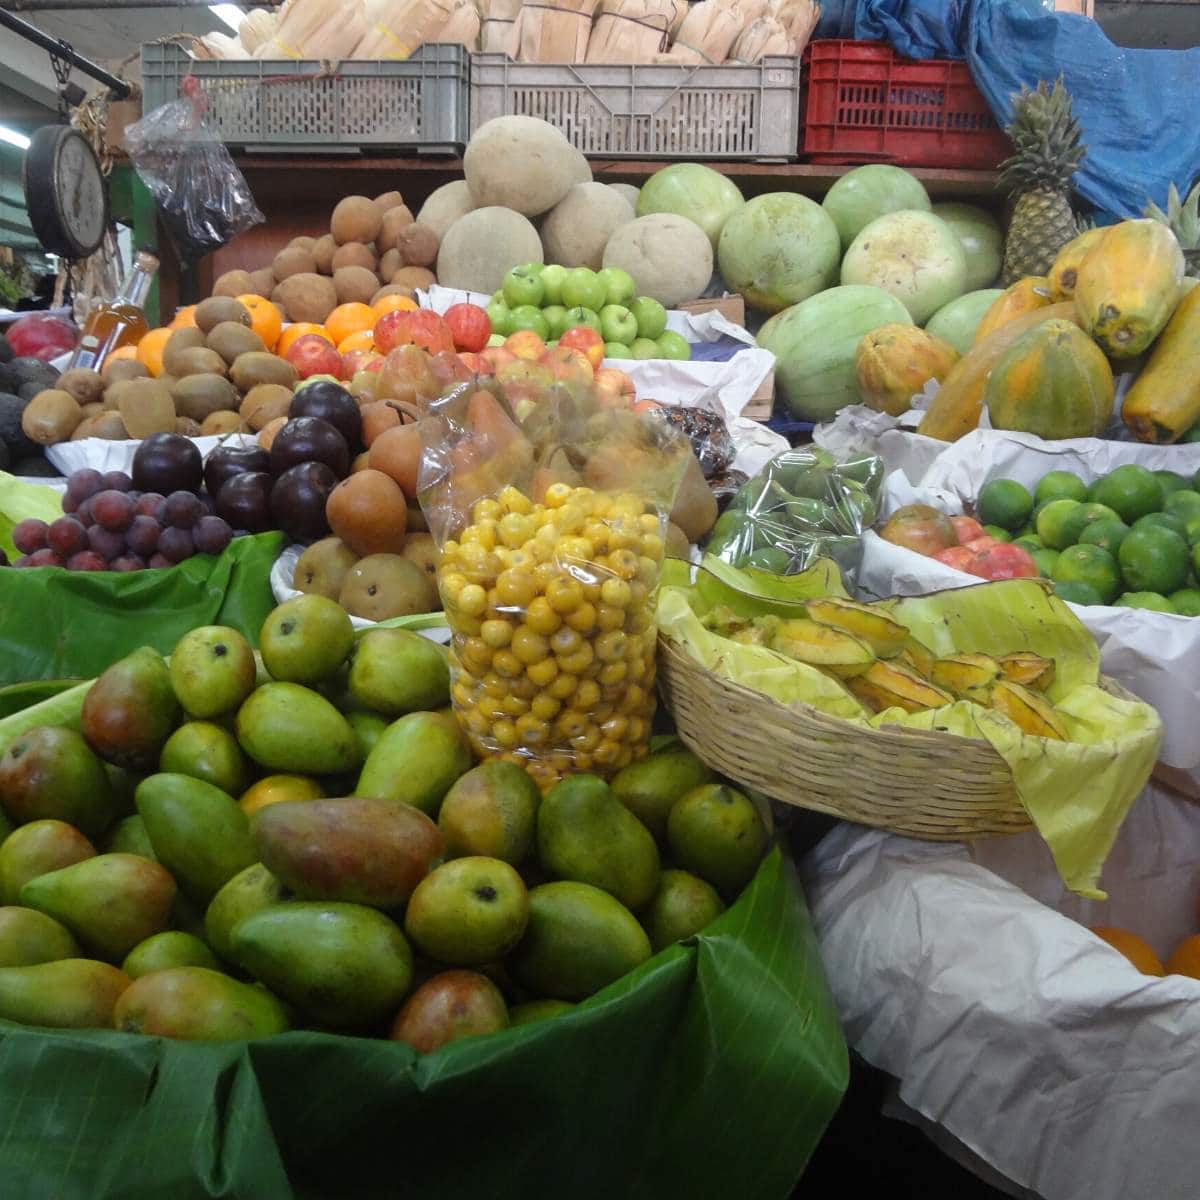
(387, 304)
(1185, 958)
(347, 319)
(1133, 947)
(265, 318)
(184, 317)
(150, 349)
(363, 340)
(298, 330)
(276, 788)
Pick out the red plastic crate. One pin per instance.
(867, 104)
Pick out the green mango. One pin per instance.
(578, 940)
(130, 710)
(212, 670)
(584, 833)
(288, 727)
(6, 826)
(537, 1010)
(748, 494)
(129, 836)
(396, 671)
(812, 514)
(110, 902)
(187, 915)
(171, 948)
(416, 760)
(198, 832)
(28, 937)
(206, 751)
(72, 993)
(683, 906)
(198, 1004)
(51, 773)
(368, 727)
(716, 832)
(36, 849)
(650, 787)
(344, 965)
(247, 892)
(491, 811)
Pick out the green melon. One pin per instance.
(957, 321)
(981, 238)
(694, 191)
(865, 193)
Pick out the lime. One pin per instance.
(1030, 541)
(1077, 593)
(1191, 530)
(1004, 502)
(1196, 559)
(1184, 504)
(1085, 515)
(1045, 560)
(1186, 601)
(1131, 490)
(1108, 535)
(1026, 530)
(1060, 485)
(1001, 535)
(1053, 523)
(1151, 600)
(1153, 559)
(1172, 482)
(1091, 565)
(1163, 519)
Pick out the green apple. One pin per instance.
(619, 287)
(673, 345)
(523, 285)
(500, 315)
(581, 316)
(617, 350)
(644, 348)
(526, 316)
(555, 314)
(553, 278)
(535, 268)
(618, 324)
(651, 316)
(581, 289)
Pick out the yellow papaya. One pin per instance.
(888, 685)
(1066, 266)
(893, 363)
(1128, 286)
(957, 407)
(1023, 297)
(1164, 402)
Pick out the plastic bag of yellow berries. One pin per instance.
(550, 510)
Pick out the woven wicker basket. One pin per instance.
(935, 786)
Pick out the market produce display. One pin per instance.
(21, 379)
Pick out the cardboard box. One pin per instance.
(762, 402)
(1085, 8)
(732, 308)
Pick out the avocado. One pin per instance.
(11, 433)
(6, 350)
(36, 465)
(33, 370)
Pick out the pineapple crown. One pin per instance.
(1046, 136)
(1182, 218)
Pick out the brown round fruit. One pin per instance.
(199, 396)
(266, 435)
(302, 243)
(220, 423)
(232, 283)
(292, 262)
(355, 219)
(397, 453)
(199, 360)
(186, 427)
(50, 417)
(322, 252)
(382, 586)
(354, 284)
(417, 245)
(361, 463)
(187, 338)
(323, 568)
(414, 278)
(229, 339)
(117, 370)
(393, 289)
(369, 513)
(421, 549)
(307, 297)
(389, 264)
(394, 220)
(85, 386)
(386, 201)
(262, 283)
(264, 403)
(354, 254)
(211, 312)
(377, 416)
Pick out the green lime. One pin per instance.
(1085, 515)
(1026, 530)
(1108, 535)
(770, 558)
(1131, 491)
(1184, 504)
(1153, 559)
(1165, 520)
(1045, 560)
(1001, 535)
(1091, 565)
(1060, 485)
(1151, 600)
(1186, 601)
(1171, 482)
(1030, 541)
(1077, 593)
(1054, 523)
(1004, 502)
(1196, 559)
(1191, 530)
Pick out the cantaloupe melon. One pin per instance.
(669, 257)
(480, 248)
(627, 190)
(578, 227)
(521, 163)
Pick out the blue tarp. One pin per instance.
(1137, 107)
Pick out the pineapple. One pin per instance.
(1183, 220)
(1046, 137)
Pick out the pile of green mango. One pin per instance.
(218, 846)
(804, 505)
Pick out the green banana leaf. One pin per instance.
(58, 624)
(709, 1072)
(19, 501)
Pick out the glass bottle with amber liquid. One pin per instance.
(120, 321)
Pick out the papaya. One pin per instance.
(1065, 271)
(1164, 402)
(1128, 286)
(1025, 296)
(957, 407)
(1053, 381)
(893, 363)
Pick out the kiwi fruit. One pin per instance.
(249, 370)
(218, 424)
(50, 417)
(386, 201)
(83, 385)
(353, 254)
(414, 277)
(382, 586)
(99, 426)
(420, 548)
(307, 297)
(229, 340)
(354, 283)
(292, 261)
(88, 411)
(198, 396)
(200, 361)
(262, 282)
(392, 289)
(119, 369)
(263, 403)
(355, 219)
(187, 338)
(146, 407)
(322, 252)
(302, 243)
(187, 427)
(390, 263)
(232, 283)
(417, 245)
(394, 220)
(211, 312)
(323, 567)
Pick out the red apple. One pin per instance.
(569, 366)
(618, 381)
(469, 326)
(451, 1005)
(497, 356)
(422, 328)
(477, 363)
(524, 380)
(587, 341)
(313, 355)
(448, 369)
(525, 344)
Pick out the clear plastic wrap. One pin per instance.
(552, 533)
(203, 198)
(804, 505)
(704, 426)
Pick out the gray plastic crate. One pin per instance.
(643, 111)
(420, 104)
